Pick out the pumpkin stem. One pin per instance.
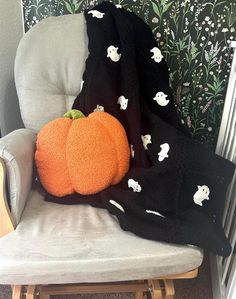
(74, 114)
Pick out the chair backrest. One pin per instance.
(49, 65)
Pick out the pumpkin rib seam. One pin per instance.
(72, 187)
(117, 161)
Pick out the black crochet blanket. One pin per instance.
(175, 188)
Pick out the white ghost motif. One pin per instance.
(99, 108)
(134, 185)
(146, 139)
(112, 53)
(160, 97)
(164, 151)
(116, 204)
(155, 213)
(81, 85)
(123, 102)
(201, 194)
(157, 56)
(96, 14)
(132, 150)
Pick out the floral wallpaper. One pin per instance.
(194, 36)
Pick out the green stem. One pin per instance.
(74, 114)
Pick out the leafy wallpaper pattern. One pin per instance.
(194, 36)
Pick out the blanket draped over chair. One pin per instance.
(175, 188)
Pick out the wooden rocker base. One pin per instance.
(155, 288)
(161, 288)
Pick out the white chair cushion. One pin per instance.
(69, 244)
(49, 65)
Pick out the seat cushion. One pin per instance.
(55, 243)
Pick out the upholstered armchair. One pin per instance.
(48, 248)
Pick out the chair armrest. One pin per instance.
(17, 151)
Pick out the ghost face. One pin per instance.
(123, 102)
(160, 98)
(164, 152)
(201, 194)
(146, 139)
(157, 56)
(96, 14)
(112, 53)
(134, 185)
(99, 108)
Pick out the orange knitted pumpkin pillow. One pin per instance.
(81, 154)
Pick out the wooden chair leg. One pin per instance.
(164, 291)
(169, 289)
(41, 294)
(16, 292)
(155, 289)
(30, 293)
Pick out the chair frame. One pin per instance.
(155, 288)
